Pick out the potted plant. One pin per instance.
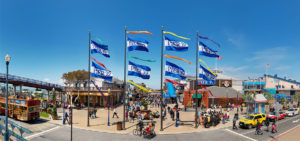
(54, 113)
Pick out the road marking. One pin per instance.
(37, 134)
(285, 133)
(296, 121)
(240, 135)
(264, 127)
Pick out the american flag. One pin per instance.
(220, 57)
(268, 65)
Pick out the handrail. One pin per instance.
(19, 138)
(28, 80)
(16, 125)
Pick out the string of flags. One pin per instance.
(99, 70)
(170, 44)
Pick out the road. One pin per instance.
(283, 126)
(44, 131)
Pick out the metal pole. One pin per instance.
(125, 74)
(237, 107)
(71, 122)
(63, 106)
(108, 115)
(88, 120)
(6, 105)
(196, 99)
(161, 77)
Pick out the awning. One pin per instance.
(198, 96)
(91, 94)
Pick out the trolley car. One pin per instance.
(21, 109)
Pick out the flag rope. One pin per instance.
(169, 56)
(166, 32)
(137, 32)
(137, 58)
(139, 86)
(207, 67)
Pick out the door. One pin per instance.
(262, 108)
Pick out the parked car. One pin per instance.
(272, 116)
(283, 114)
(292, 112)
(251, 120)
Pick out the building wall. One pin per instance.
(273, 82)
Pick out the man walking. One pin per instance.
(115, 113)
(234, 123)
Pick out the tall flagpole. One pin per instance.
(161, 78)
(89, 69)
(125, 74)
(196, 99)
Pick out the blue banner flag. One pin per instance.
(99, 48)
(174, 71)
(137, 44)
(174, 45)
(138, 70)
(206, 51)
(100, 72)
(98, 89)
(206, 74)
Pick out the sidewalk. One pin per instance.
(100, 123)
(292, 135)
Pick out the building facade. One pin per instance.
(111, 93)
(273, 85)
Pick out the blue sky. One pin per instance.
(48, 38)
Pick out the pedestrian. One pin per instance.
(177, 115)
(234, 123)
(274, 129)
(115, 113)
(126, 115)
(242, 109)
(172, 114)
(227, 116)
(66, 117)
(267, 123)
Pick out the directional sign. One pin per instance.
(212, 82)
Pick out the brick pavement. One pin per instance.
(100, 123)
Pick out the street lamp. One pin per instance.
(7, 60)
(108, 110)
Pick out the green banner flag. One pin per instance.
(141, 59)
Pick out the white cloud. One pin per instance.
(269, 55)
(234, 69)
(280, 68)
(46, 79)
(237, 39)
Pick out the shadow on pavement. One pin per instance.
(39, 121)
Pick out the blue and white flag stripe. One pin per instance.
(138, 70)
(174, 45)
(98, 71)
(206, 74)
(206, 51)
(137, 44)
(174, 71)
(99, 48)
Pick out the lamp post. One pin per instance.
(7, 60)
(108, 110)
(237, 107)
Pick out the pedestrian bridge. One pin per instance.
(22, 81)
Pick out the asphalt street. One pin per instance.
(283, 126)
(62, 133)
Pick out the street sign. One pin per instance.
(204, 82)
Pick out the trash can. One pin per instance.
(119, 125)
